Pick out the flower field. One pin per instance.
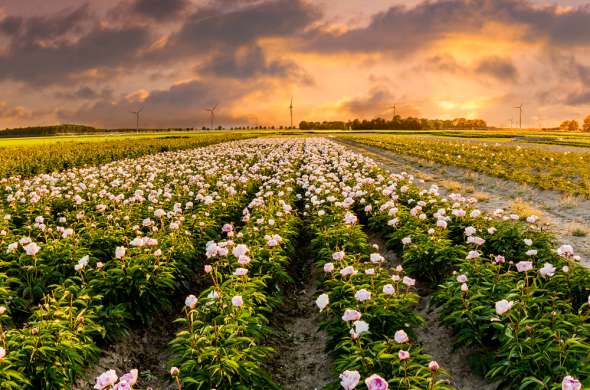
(567, 172)
(210, 236)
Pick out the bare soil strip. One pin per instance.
(301, 361)
(563, 213)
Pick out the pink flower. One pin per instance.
(565, 251)
(237, 301)
(338, 255)
(571, 383)
(362, 295)
(403, 355)
(346, 271)
(130, 377)
(123, 385)
(227, 228)
(119, 252)
(547, 270)
(174, 371)
(523, 266)
(388, 289)
(32, 249)
(408, 281)
(208, 268)
(433, 366)
(191, 301)
(462, 278)
(351, 315)
(401, 337)
(349, 379)
(240, 271)
(328, 267)
(503, 306)
(375, 382)
(499, 259)
(2, 353)
(106, 379)
(464, 287)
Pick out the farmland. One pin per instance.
(208, 261)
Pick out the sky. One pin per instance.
(71, 61)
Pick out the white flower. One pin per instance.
(406, 240)
(376, 258)
(191, 301)
(401, 337)
(470, 230)
(349, 379)
(547, 270)
(528, 242)
(408, 281)
(503, 306)
(120, 252)
(565, 251)
(362, 295)
(32, 249)
(388, 289)
(360, 327)
(237, 301)
(322, 301)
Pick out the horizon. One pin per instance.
(94, 63)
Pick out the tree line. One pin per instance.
(65, 129)
(573, 125)
(397, 123)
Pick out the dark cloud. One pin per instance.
(251, 62)
(378, 100)
(149, 10)
(180, 105)
(85, 93)
(579, 98)
(500, 68)
(215, 29)
(443, 63)
(7, 112)
(401, 30)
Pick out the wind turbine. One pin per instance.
(394, 107)
(211, 114)
(136, 113)
(520, 115)
(291, 110)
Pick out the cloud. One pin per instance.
(578, 98)
(401, 30)
(181, 105)
(149, 10)
(54, 49)
(85, 93)
(378, 100)
(500, 68)
(251, 61)
(10, 113)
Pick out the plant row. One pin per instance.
(549, 170)
(221, 344)
(91, 252)
(368, 305)
(506, 290)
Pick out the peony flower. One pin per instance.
(130, 377)
(338, 255)
(401, 337)
(208, 268)
(350, 218)
(433, 366)
(346, 271)
(473, 255)
(403, 355)
(470, 230)
(409, 282)
(375, 382)
(462, 278)
(174, 371)
(503, 306)
(499, 259)
(406, 240)
(524, 266)
(106, 379)
(376, 258)
(322, 301)
(351, 315)
(571, 383)
(547, 270)
(191, 301)
(2, 353)
(362, 295)
(328, 267)
(240, 250)
(240, 271)
(531, 252)
(32, 249)
(565, 251)
(349, 379)
(237, 301)
(464, 287)
(360, 327)
(388, 289)
(528, 242)
(119, 252)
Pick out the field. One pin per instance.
(298, 261)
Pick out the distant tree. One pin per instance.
(586, 126)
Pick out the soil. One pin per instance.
(301, 361)
(559, 211)
(143, 349)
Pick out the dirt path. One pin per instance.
(566, 216)
(144, 349)
(300, 361)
